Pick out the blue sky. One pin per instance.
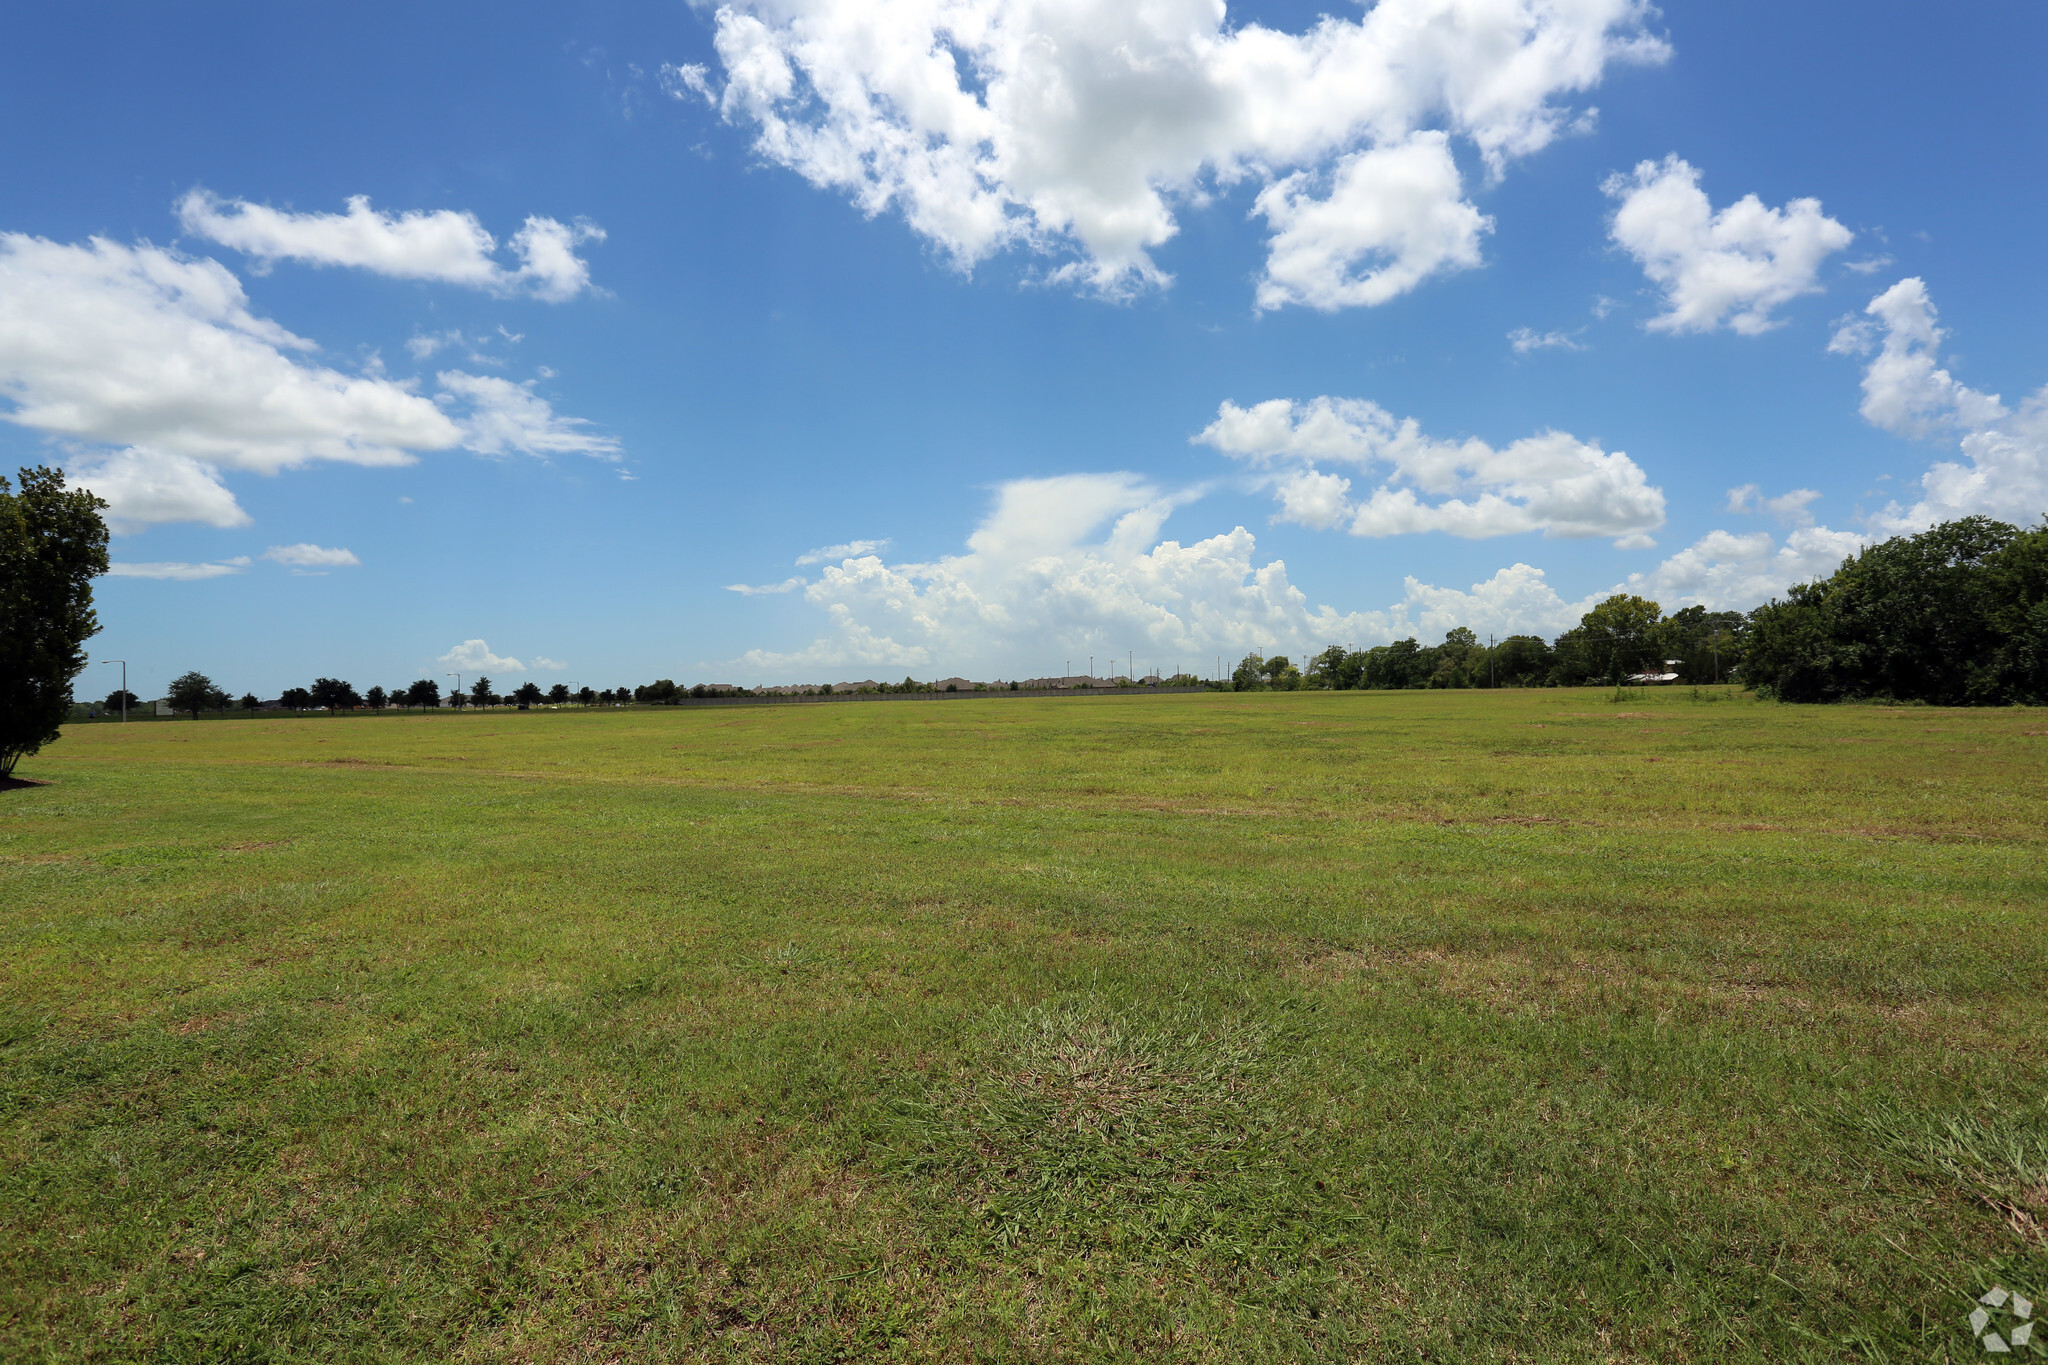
(946, 301)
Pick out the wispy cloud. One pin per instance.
(852, 549)
(184, 573)
(305, 556)
(1525, 340)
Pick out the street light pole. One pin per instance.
(458, 686)
(124, 686)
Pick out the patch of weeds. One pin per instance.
(1996, 1156)
(1084, 1130)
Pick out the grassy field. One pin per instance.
(1535, 1026)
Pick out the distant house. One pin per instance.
(953, 685)
(163, 707)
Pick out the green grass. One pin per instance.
(1452, 1026)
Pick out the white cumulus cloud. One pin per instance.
(1065, 567)
(1905, 390)
(145, 487)
(749, 590)
(1081, 127)
(441, 245)
(2004, 470)
(1732, 266)
(1397, 210)
(150, 368)
(1552, 482)
(1723, 571)
(474, 655)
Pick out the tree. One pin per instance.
(585, 695)
(480, 692)
(1619, 636)
(527, 693)
(1952, 616)
(1327, 671)
(250, 702)
(1281, 674)
(296, 698)
(334, 694)
(559, 693)
(458, 699)
(53, 543)
(192, 692)
(1250, 674)
(424, 693)
(1402, 664)
(117, 700)
(375, 697)
(1521, 661)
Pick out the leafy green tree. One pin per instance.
(480, 692)
(250, 702)
(1334, 669)
(457, 698)
(558, 693)
(53, 543)
(1281, 674)
(117, 697)
(1250, 674)
(423, 693)
(376, 698)
(1951, 616)
(527, 693)
(192, 692)
(334, 694)
(1402, 664)
(585, 695)
(1618, 637)
(296, 699)
(1521, 661)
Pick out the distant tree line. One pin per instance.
(1622, 636)
(1955, 616)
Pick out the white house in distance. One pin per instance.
(1669, 675)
